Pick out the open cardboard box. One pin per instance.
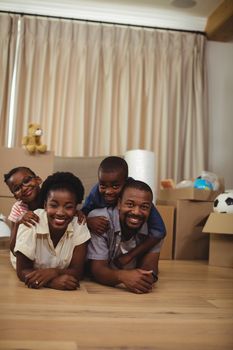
(220, 227)
(190, 193)
(167, 213)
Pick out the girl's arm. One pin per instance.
(14, 228)
(29, 219)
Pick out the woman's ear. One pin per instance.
(45, 204)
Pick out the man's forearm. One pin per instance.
(106, 275)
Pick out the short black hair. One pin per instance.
(137, 184)
(114, 163)
(62, 180)
(15, 170)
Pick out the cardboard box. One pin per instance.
(167, 213)
(86, 168)
(41, 164)
(190, 193)
(189, 243)
(220, 227)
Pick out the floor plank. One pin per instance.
(191, 307)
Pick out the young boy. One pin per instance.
(112, 174)
(24, 184)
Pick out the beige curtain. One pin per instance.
(100, 89)
(8, 37)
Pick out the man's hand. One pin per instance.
(29, 219)
(64, 282)
(39, 278)
(98, 224)
(137, 281)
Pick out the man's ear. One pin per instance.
(119, 203)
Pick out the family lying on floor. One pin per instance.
(114, 239)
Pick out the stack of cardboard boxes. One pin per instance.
(192, 208)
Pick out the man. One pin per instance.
(128, 228)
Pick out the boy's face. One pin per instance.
(110, 185)
(61, 208)
(134, 208)
(24, 186)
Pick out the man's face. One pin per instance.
(110, 185)
(134, 208)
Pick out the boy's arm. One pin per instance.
(155, 224)
(137, 252)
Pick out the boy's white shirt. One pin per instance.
(36, 244)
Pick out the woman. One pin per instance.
(52, 253)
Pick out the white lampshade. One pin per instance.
(4, 228)
(141, 165)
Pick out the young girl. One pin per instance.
(52, 253)
(24, 184)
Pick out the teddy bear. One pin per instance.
(32, 141)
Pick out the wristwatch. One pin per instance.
(155, 277)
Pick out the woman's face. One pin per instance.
(61, 208)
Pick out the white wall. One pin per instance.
(220, 85)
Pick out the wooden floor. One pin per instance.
(191, 307)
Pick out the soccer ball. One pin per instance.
(224, 203)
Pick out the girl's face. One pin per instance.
(24, 186)
(61, 208)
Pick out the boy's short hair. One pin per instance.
(114, 163)
(137, 184)
(15, 170)
(62, 180)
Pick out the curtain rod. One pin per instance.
(103, 22)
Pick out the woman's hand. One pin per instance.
(39, 278)
(64, 282)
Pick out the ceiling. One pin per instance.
(215, 17)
